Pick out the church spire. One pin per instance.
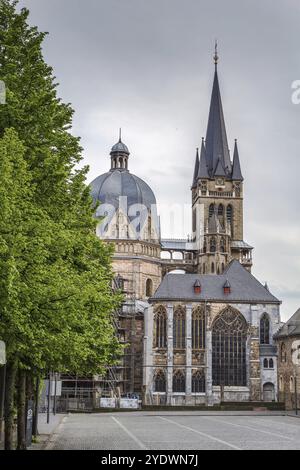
(196, 170)
(216, 137)
(236, 170)
(203, 171)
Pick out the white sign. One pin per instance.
(130, 403)
(107, 402)
(2, 353)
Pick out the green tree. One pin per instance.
(55, 274)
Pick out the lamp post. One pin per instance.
(2, 383)
(296, 398)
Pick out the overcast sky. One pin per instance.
(146, 66)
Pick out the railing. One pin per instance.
(221, 193)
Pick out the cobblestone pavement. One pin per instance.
(176, 431)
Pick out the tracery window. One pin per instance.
(229, 335)
(179, 381)
(160, 381)
(211, 210)
(220, 210)
(264, 329)
(198, 328)
(213, 245)
(198, 382)
(179, 328)
(160, 328)
(271, 364)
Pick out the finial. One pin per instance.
(120, 135)
(216, 57)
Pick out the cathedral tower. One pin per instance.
(217, 196)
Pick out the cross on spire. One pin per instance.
(216, 57)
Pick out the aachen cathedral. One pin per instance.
(204, 336)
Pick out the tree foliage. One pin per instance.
(56, 300)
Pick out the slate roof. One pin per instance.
(291, 327)
(244, 287)
(120, 147)
(241, 244)
(267, 350)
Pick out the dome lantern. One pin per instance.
(119, 155)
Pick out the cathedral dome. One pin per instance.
(109, 187)
(126, 201)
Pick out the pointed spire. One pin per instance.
(120, 135)
(196, 170)
(203, 170)
(236, 168)
(219, 171)
(216, 137)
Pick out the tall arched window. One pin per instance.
(292, 387)
(179, 381)
(265, 329)
(221, 210)
(271, 364)
(149, 287)
(198, 382)
(159, 381)
(198, 328)
(266, 363)
(160, 328)
(213, 268)
(179, 328)
(229, 216)
(229, 335)
(222, 245)
(211, 210)
(282, 353)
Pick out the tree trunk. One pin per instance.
(11, 370)
(21, 402)
(36, 407)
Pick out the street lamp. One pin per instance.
(2, 382)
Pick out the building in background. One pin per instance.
(288, 344)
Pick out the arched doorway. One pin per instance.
(268, 392)
(229, 336)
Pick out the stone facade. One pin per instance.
(169, 359)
